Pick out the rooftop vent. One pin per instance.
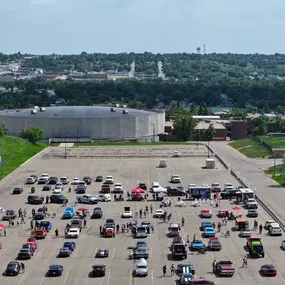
(113, 109)
(117, 105)
(36, 107)
(34, 111)
(125, 111)
(42, 109)
(123, 106)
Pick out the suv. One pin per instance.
(35, 199)
(179, 251)
(87, 180)
(58, 199)
(53, 180)
(175, 191)
(9, 214)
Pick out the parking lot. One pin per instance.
(129, 172)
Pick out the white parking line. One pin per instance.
(42, 280)
(131, 277)
(21, 280)
(151, 277)
(113, 255)
(94, 254)
(2, 251)
(65, 277)
(108, 278)
(238, 275)
(39, 253)
(150, 252)
(76, 253)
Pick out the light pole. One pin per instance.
(208, 149)
(77, 129)
(65, 146)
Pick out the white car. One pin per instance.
(176, 154)
(81, 185)
(245, 233)
(159, 213)
(156, 188)
(228, 186)
(216, 187)
(118, 188)
(175, 179)
(251, 203)
(275, 230)
(73, 233)
(127, 213)
(31, 180)
(64, 180)
(58, 188)
(104, 198)
(75, 181)
(45, 176)
(109, 179)
(87, 199)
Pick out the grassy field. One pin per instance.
(274, 142)
(134, 143)
(278, 178)
(250, 148)
(17, 151)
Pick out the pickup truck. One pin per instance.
(251, 203)
(225, 268)
(255, 247)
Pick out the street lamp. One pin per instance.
(77, 129)
(65, 147)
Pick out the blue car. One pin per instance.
(70, 244)
(184, 268)
(55, 270)
(68, 213)
(209, 232)
(197, 244)
(185, 277)
(47, 225)
(206, 224)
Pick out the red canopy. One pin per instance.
(137, 190)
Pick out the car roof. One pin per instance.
(99, 265)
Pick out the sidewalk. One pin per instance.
(251, 171)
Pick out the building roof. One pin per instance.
(206, 117)
(203, 126)
(77, 112)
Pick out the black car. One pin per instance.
(175, 191)
(97, 213)
(58, 199)
(9, 215)
(13, 268)
(18, 190)
(35, 199)
(99, 270)
(55, 270)
(179, 251)
(110, 221)
(87, 180)
(46, 188)
(99, 178)
(53, 180)
(24, 253)
(101, 253)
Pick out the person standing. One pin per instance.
(164, 270)
(4, 232)
(84, 223)
(260, 229)
(22, 220)
(172, 270)
(214, 264)
(56, 233)
(244, 261)
(22, 267)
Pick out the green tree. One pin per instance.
(32, 134)
(210, 133)
(184, 126)
(3, 130)
(259, 126)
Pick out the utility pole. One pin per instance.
(2, 161)
(77, 127)
(65, 150)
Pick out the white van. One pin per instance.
(142, 268)
(156, 188)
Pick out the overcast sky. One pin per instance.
(159, 26)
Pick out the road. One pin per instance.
(251, 171)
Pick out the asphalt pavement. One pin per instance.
(129, 172)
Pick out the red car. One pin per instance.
(40, 234)
(223, 213)
(214, 244)
(206, 213)
(33, 242)
(268, 270)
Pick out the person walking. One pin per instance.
(151, 209)
(84, 223)
(100, 230)
(244, 261)
(22, 220)
(117, 228)
(25, 213)
(188, 239)
(164, 270)
(172, 270)
(4, 232)
(56, 233)
(214, 265)
(182, 222)
(22, 267)
(140, 213)
(260, 229)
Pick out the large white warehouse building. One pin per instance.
(93, 122)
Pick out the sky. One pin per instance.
(158, 26)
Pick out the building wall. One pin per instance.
(238, 130)
(221, 134)
(94, 128)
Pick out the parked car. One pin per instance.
(64, 180)
(9, 215)
(175, 179)
(175, 191)
(109, 179)
(13, 268)
(24, 253)
(206, 213)
(73, 233)
(98, 270)
(87, 180)
(97, 213)
(216, 187)
(32, 179)
(99, 178)
(18, 190)
(87, 199)
(52, 180)
(39, 214)
(64, 252)
(252, 213)
(118, 188)
(34, 200)
(58, 199)
(55, 270)
(75, 181)
(46, 187)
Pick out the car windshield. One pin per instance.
(141, 266)
(215, 242)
